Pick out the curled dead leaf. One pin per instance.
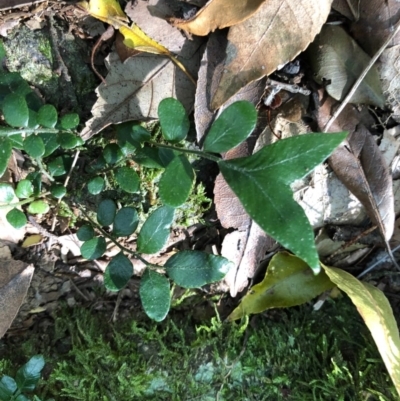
(218, 14)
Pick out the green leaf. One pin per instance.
(58, 190)
(127, 179)
(47, 116)
(60, 165)
(232, 127)
(93, 248)
(106, 212)
(16, 218)
(118, 272)
(6, 193)
(15, 110)
(140, 135)
(32, 122)
(34, 146)
(8, 387)
(193, 269)
(112, 153)
(262, 183)
(17, 141)
(287, 282)
(125, 222)
(96, 185)
(70, 121)
(155, 230)
(155, 295)
(24, 189)
(337, 59)
(176, 182)
(5, 154)
(38, 207)
(154, 157)
(50, 143)
(85, 233)
(35, 177)
(173, 120)
(68, 140)
(29, 374)
(22, 397)
(124, 138)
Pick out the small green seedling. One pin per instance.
(25, 381)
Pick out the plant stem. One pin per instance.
(43, 171)
(127, 250)
(11, 131)
(24, 202)
(183, 150)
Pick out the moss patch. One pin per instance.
(290, 355)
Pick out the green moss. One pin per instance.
(292, 355)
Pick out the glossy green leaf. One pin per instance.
(47, 116)
(287, 282)
(106, 212)
(125, 222)
(140, 135)
(155, 295)
(50, 143)
(15, 110)
(338, 60)
(28, 375)
(118, 272)
(262, 183)
(58, 190)
(176, 182)
(5, 154)
(35, 177)
(38, 207)
(6, 193)
(232, 127)
(8, 387)
(96, 185)
(154, 157)
(22, 397)
(85, 233)
(17, 141)
(24, 189)
(16, 218)
(112, 153)
(128, 179)
(68, 140)
(60, 165)
(70, 121)
(97, 165)
(193, 269)
(93, 248)
(124, 138)
(32, 121)
(173, 120)
(155, 230)
(34, 146)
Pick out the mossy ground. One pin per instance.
(294, 354)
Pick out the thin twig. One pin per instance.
(360, 79)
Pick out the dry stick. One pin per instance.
(360, 79)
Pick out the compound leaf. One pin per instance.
(262, 183)
(193, 269)
(155, 295)
(155, 231)
(118, 272)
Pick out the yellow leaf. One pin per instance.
(289, 281)
(34, 239)
(105, 10)
(377, 313)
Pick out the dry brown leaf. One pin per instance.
(359, 164)
(272, 37)
(15, 278)
(348, 8)
(218, 14)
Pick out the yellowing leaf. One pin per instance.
(32, 240)
(288, 282)
(218, 14)
(105, 10)
(377, 313)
